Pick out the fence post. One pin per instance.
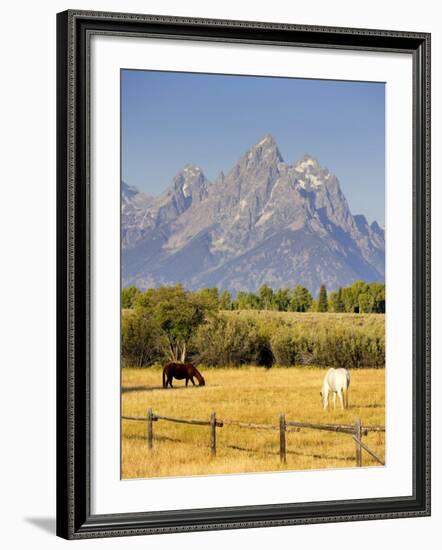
(282, 445)
(149, 429)
(358, 435)
(213, 434)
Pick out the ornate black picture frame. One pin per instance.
(74, 518)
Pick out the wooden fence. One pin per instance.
(356, 431)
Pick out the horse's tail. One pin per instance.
(348, 378)
(345, 397)
(199, 377)
(164, 375)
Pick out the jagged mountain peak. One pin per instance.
(362, 222)
(376, 227)
(128, 191)
(267, 140)
(188, 172)
(256, 169)
(187, 180)
(264, 151)
(360, 219)
(191, 170)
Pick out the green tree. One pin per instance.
(128, 296)
(178, 313)
(340, 306)
(322, 299)
(301, 299)
(357, 288)
(332, 300)
(241, 301)
(252, 301)
(225, 300)
(281, 299)
(377, 290)
(348, 300)
(266, 297)
(336, 301)
(210, 296)
(366, 302)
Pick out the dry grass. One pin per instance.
(247, 394)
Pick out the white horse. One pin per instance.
(336, 381)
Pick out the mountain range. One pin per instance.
(264, 221)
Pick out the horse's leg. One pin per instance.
(187, 381)
(325, 400)
(334, 400)
(340, 398)
(192, 380)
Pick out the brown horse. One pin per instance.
(181, 371)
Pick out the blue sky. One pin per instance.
(172, 119)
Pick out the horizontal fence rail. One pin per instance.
(324, 427)
(250, 425)
(284, 426)
(156, 417)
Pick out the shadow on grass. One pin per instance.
(130, 389)
(253, 450)
(159, 438)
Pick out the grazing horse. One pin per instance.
(181, 371)
(336, 381)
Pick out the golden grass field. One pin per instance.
(246, 394)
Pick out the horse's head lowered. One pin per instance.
(199, 376)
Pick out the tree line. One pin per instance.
(172, 323)
(360, 297)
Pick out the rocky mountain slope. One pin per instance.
(265, 221)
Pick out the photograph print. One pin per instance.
(252, 274)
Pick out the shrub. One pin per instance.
(141, 342)
(239, 337)
(235, 341)
(283, 344)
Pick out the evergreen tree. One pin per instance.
(305, 299)
(339, 305)
(294, 303)
(322, 299)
